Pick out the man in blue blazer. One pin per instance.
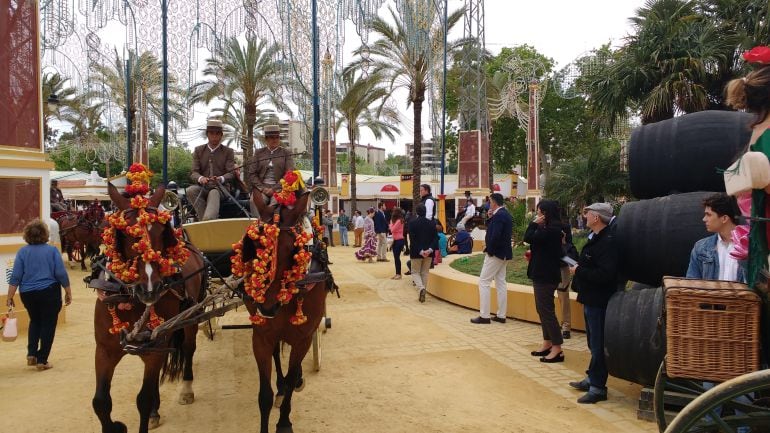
(499, 251)
(381, 228)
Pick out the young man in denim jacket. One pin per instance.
(710, 258)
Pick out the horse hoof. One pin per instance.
(154, 422)
(300, 385)
(278, 400)
(187, 398)
(118, 427)
(284, 429)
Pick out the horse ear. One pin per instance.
(157, 197)
(120, 202)
(300, 208)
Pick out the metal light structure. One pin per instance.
(176, 30)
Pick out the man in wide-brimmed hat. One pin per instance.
(269, 165)
(212, 166)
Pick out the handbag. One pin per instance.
(11, 329)
(750, 171)
(436, 257)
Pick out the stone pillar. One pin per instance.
(473, 157)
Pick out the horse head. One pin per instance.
(143, 246)
(288, 220)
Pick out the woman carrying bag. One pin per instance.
(39, 275)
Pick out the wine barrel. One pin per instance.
(655, 237)
(682, 154)
(634, 337)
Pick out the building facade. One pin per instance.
(371, 154)
(294, 136)
(431, 155)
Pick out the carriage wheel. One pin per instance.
(682, 391)
(316, 350)
(740, 402)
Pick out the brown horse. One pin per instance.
(278, 328)
(80, 236)
(165, 296)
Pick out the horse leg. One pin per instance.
(148, 397)
(82, 258)
(102, 401)
(280, 386)
(186, 394)
(261, 348)
(154, 412)
(293, 377)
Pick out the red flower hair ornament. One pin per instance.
(758, 55)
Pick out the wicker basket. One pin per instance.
(712, 329)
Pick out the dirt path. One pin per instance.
(389, 364)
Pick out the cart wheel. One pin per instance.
(682, 391)
(740, 402)
(317, 351)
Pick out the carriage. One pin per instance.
(717, 357)
(157, 285)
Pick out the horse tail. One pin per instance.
(175, 361)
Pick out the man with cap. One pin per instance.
(213, 165)
(270, 163)
(57, 198)
(595, 280)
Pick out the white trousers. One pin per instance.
(382, 246)
(493, 269)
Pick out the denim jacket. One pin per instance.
(704, 261)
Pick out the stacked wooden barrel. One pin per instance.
(673, 166)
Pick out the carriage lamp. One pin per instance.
(53, 104)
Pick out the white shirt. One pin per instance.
(358, 220)
(728, 266)
(470, 210)
(429, 204)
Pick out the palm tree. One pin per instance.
(397, 59)
(247, 76)
(146, 90)
(588, 177)
(54, 83)
(665, 67)
(358, 109)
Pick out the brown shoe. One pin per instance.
(31, 360)
(46, 366)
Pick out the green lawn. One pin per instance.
(516, 272)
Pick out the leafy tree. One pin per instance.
(362, 106)
(179, 164)
(666, 65)
(396, 57)
(362, 167)
(393, 162)
(589, 177)
(146, 98)
(54, 83)
(243, 75)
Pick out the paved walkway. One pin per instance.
(509, 344)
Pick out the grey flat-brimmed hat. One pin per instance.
(213, 125)
(271, 131)
(604, 210)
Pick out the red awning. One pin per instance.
(496, 187)
(389, 188)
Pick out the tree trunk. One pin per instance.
(251, 119)
(352, 161)
(417, 148)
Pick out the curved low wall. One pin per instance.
(462, 289)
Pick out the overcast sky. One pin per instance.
(559, 29)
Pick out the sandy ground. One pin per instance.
(389, 364)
